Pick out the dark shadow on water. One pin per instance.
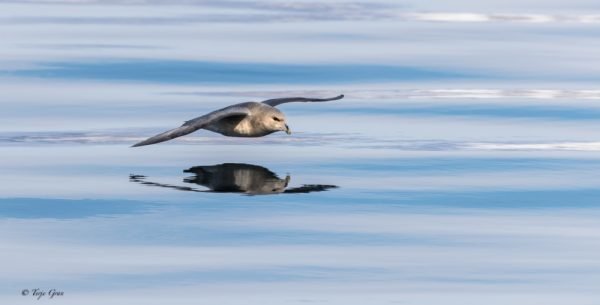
(235, 178)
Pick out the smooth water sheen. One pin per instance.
(462, 167)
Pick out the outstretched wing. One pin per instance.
(195, 124)
(277, 101)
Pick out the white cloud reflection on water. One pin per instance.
(516, 50)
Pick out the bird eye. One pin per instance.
(276, 119)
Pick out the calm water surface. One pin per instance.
(461, 168)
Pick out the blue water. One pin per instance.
(460, 168)
(194, 72)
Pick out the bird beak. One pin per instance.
(287, 129)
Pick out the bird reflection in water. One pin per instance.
(235, 178)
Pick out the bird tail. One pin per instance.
(167, 135)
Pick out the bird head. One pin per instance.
(275, 121)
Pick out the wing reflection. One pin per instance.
(236, 178)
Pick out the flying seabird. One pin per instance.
(250, 119)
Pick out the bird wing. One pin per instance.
(195, 124)
(277, 101)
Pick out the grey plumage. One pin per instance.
(277, 101)
(249, 119)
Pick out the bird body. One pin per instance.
(250, 119)
(255, 124)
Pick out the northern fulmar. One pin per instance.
(250, 119)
